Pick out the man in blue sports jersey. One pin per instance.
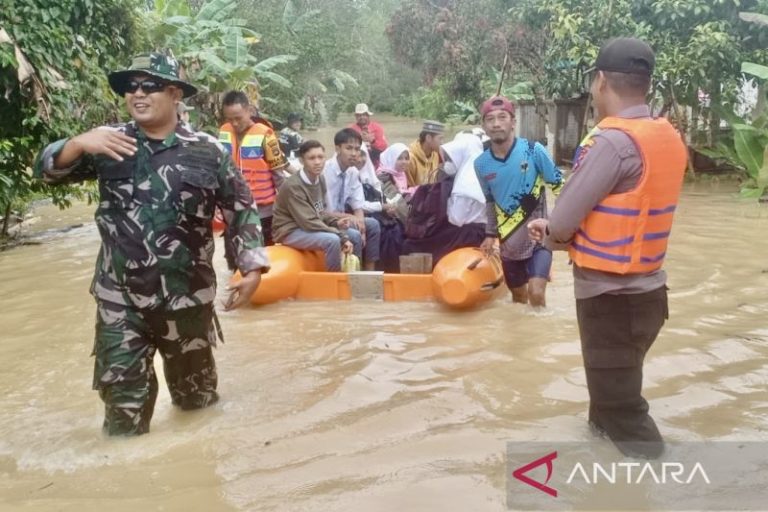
(513, 173)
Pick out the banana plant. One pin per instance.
(750, 141)
(750, 68)
(745, 147)
(215, 44)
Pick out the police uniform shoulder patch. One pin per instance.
(584, 147)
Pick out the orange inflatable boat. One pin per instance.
(462, 279)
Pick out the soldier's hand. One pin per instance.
(243, 291)
(111, 143)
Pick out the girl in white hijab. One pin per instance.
(368, 177)
(467, 202)
(394, 162)
(394, 181)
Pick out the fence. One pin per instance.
(568, 129)
(532, 121)
(557, 124)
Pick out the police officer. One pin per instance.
(614, 216)
(154, 282)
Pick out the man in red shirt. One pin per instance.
(371, 131)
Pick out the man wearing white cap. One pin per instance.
(371, 131)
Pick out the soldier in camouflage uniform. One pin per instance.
(154, 284)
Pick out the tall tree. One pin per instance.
(699, 44)
(217, 46)
(342, 55)
(453, 41)
(53, 63)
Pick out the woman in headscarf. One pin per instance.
(394, 180)
(371, 184)
(386, 211)
(467, 202)
(450, 213)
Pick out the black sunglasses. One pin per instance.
(148, 86)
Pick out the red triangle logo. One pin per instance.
(519, 473)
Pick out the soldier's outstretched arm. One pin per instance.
(243, 231)
(63, 161)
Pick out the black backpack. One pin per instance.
(428, 209)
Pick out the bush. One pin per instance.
(65, 49)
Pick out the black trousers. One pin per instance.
(266, 230)
(616, 332)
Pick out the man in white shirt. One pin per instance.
(345, 193)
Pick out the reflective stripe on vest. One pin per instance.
(627, 233)
(252, 147)
(248, 157)
(226, 139)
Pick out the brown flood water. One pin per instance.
(366, 406)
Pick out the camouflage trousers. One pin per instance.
(124, 374)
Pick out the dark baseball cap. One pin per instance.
(626, 55)
(497, 103)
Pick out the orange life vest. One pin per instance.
(627, 233)
(248, 156)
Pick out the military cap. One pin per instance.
(153, 64)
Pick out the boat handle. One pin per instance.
(474, 264)
(487, 287)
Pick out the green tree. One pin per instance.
(745, 145)
(457, 43)
(216, 45)
(53, 63)
(342, 55)
(699, 46)
(459, 47)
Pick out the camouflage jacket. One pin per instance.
(154, 217)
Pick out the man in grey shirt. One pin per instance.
(618, 242)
